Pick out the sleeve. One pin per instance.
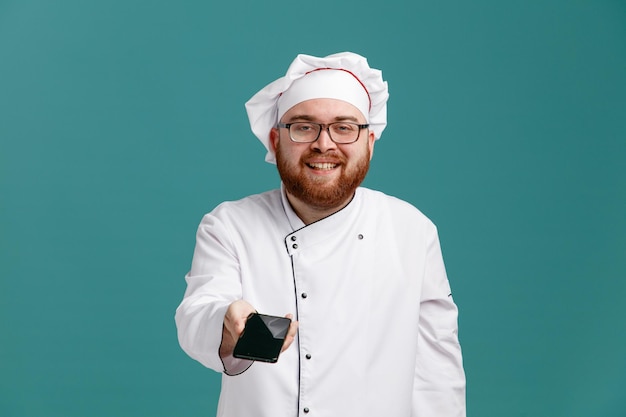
(212, 284)
(439, 388)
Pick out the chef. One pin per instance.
(360, 273)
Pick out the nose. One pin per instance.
(324, 142)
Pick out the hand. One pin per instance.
(291, 333)
(234, 323)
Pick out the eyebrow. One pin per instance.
(310, 118)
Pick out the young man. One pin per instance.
(361, 273)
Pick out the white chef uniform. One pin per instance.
(377, 329)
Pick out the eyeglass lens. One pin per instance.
(340, 132)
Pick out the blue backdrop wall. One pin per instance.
(122, 122)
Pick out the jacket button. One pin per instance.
(293, 238)
(360, 237)
(306, 409)
(308, 356)
(295, 246)
(304, 295)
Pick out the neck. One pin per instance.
(309, 213)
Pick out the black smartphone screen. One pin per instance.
(262, 338)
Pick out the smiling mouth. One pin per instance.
(323, 166)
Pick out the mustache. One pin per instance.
(330, 156)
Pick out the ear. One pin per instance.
(370, 143)
(273, 139)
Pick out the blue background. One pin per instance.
(122, 122)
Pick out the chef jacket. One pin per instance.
(377, 329)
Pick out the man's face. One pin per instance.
(322, 174)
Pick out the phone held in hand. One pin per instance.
(262, 338)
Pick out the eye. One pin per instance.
(343, 128)
(303, 127)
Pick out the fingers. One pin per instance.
(291, 333)
(236, 316)
(234, 323)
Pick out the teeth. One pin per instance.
(324, 165)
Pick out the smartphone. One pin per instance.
(262, 338)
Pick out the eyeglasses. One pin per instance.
(339, 132)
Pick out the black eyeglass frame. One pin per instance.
(326, 127)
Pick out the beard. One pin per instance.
(322, 194)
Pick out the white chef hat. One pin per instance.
(345, 76)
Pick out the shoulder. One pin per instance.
(253, 206)
(392, 207)
(255, 215)
(232, 223)
(268, 199)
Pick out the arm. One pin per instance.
(439, 388)
(212, 315)
(213, 284)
